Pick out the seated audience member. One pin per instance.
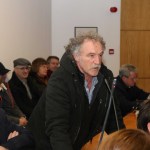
(12, 136)
(129, 95)
(38, 75)
(126, 139)
(7, 102)
(22, 87)
(53, 64)
(143, 118)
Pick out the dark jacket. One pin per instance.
(63, 118)
(39, 85)
(24, 141)
(20, 95)
(129, 97)
(12, 110)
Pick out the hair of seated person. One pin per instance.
(126, 139)
(143, 117)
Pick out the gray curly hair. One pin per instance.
(75, 43)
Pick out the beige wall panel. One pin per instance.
(135, 49)
(135, 14)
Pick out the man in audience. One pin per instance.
(72, 109)
(143, 117)
(53, 64)
(7, 102)
(12, 136)
(22, 87)
(129, 95)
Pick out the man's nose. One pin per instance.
(97, 60)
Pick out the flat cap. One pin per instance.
(21, 62)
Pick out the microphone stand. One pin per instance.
(116, 117)
(107, 113)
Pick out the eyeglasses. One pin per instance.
(23, 68)
(132, 78)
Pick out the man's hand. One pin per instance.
(13, 134)
(3, 148)
(23, 121)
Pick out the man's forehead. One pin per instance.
(90, 46)
(133, 74)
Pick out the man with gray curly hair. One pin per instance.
(73, 108)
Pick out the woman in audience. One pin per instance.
(126, 139)
(38, 74)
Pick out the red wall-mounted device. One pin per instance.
(113, 9)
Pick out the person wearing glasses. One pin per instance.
(129, 95)
(22, 86)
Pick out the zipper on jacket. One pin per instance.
(76, 135)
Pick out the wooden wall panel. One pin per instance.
(135, 49)
(144, 84)
(135, 38)
(135, 14)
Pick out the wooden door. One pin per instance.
(135, 38)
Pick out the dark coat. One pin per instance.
(22, 142)
(39, 85)
(12, 110)
(63, 118)
(129, 97)
(20, 95)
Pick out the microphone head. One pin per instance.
(114, 83)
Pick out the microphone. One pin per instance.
(108, 109)
(113, 101)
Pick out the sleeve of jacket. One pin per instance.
(140, 94)
(24, 139)
(112, 122)
(58, 114)
(124, 104)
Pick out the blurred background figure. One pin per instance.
(126, 139)
(143, 118)
(53, 64)
(12, 136)
(39, 76)
(7, 102)
(129, 95)
(22, 86)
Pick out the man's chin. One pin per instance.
(94, 74)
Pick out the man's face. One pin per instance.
(22, 72)
(131, 80)
(53, 64)
(89, 58)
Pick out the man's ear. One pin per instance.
(148, 126)
(76, 57)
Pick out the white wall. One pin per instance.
(33, 28)
(67, 14)
(25, 30)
